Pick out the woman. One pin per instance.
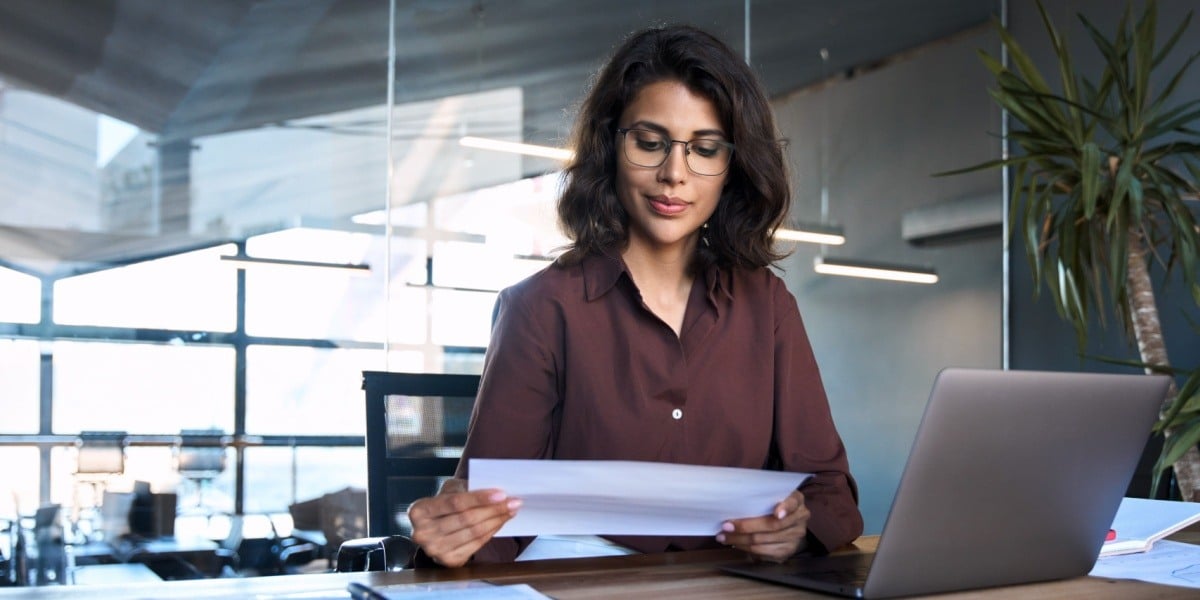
(661, 334)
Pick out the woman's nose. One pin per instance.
(674, 168)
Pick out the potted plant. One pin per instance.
(1101, 182)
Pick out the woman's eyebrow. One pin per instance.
(663, 130)
(648, 125)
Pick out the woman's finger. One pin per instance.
(455, 549)
(747, 539)
(776, 536)
(449, 503)
(453, 525)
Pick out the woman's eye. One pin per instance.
(706, 149)
(649, 145)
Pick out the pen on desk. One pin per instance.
(359, 591)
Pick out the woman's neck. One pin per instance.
(664, 277)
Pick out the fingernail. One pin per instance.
(721, 538)
(497, 496)
(727, 526)
(780, 514)
(514, 504)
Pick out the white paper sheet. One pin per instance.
(1168, 562)
(601, 497)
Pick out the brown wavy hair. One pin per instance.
(756, 196)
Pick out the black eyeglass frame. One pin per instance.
(687, 149)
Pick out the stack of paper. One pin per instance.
(607, 497)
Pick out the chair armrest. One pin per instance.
(297, 554)
(390, 553)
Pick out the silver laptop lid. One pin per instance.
(1014, 477)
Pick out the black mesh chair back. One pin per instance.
(416, 427)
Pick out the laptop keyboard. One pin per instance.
(855, 575)
(846, 569)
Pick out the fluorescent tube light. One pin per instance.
(829, 235)
(516, 148)
(453, 288)
(535, 257)
(870, 270)
(251, 262)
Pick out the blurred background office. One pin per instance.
(214, 216)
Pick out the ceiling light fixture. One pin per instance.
(872, 270)
(830, 235)
(822, 233)
(251, 262)
(516, 148)
(452, 288)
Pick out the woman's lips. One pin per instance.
(664, 205)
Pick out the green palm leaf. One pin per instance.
(1103, 165)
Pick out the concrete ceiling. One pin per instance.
(183, 69)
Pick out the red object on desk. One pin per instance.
(1112, 535)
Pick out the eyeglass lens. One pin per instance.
(650, 149)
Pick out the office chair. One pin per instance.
(200, 458)
(416, 427)
(100, 455)
(339, 516)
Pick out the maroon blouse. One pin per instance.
(579, 368)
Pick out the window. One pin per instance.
(269, 484)
(19, 376)
(189, 291)
(461, 318)
(306, 391)
(19, 486)
(21, 301)
(141, 388)
(318, 303)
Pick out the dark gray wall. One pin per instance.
(880, 344)
(1040, 340)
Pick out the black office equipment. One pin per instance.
(1014, 477)
(416, 427)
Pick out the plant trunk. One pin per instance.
(1143, 311)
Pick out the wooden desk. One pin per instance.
(691, 575)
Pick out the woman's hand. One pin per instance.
(451, 526)
(774, 537)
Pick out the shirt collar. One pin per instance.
(720, 283)
(602, 271)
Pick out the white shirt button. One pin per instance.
(677, 414)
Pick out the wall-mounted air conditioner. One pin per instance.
(954, 221)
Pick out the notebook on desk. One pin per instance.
(1014, 477)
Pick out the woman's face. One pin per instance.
(667, 204)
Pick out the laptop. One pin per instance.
(1014, 477)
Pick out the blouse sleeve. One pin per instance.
(806, 438)
(514, 413)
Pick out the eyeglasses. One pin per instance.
(703, 156)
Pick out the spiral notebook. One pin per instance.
(1141, 522)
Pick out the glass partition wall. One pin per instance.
(215, 216)
(218, 216)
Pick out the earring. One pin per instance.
(704, 235)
